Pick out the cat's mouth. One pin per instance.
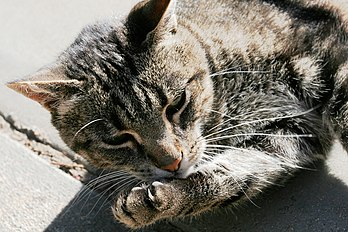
(183, 172)
(185, 169)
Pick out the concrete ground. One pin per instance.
(37, 190)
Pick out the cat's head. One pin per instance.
(132, 94)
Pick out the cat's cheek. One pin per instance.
(65, 108)
(96, 159)
(204, 100)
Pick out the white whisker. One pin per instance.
(124, 181)
(114, 191)
(87, 125)
(273, 158)
(237, 72)
(259, 134)
(101, 181)
(261, 120)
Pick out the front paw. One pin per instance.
(145, 205)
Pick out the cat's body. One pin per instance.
(206, 102)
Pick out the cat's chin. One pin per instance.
(184, 172)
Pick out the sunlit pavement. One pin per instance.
(36, 196)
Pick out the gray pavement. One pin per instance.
(36, 196)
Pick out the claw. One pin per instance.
(152, 198)
(156, 183)
(136, 188)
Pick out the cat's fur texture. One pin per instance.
(205, 102)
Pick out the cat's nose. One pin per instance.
(173, 166)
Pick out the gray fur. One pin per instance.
(261, 87)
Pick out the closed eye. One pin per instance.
(176, 106)
(120, 139)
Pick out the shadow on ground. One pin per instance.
(88, 211)
(311, 201)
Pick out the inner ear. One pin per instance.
(47, 87)
(149, 15)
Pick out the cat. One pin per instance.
(205, 103)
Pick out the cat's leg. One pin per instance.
(145, 205)
(234, 175)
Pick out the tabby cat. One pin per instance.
(205, 103)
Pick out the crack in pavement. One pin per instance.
(56, 156)
(67, 161)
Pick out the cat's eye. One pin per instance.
(120, 139)
(176, 106)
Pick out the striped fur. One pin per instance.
(245, 92)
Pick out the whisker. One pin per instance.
(222, 114)
(238, 117)
(103, 192)
(87, 125)
(99, 198)
(235, 180)
(259, 134)
(281, 160)
(105, 182)
(117, 181)
(242, 189)
(101, 181)
(124, 181)
(114, 191)
(237, 72)
(262, 120)
(224, 147)
(228, 69)
(112, 174)
(84, 191)
(206, 157)
(105, 176)
(226, 121)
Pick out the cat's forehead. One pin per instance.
(171, 64)
(102, 53)
(97, 51)
(164, 72)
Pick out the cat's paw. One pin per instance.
(144, 205)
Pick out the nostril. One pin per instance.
(173, 166)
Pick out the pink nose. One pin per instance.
(173, 166)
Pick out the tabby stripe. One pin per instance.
(232, 199)
(138, 104)
(162, 97)
(303, 13)
(201, 40)
(129, 62)
(116, 121)
(148, 102)
(108, 73)
(124, 106)
(340, 99)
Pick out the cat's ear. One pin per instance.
(152, 18)
(48, 86)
